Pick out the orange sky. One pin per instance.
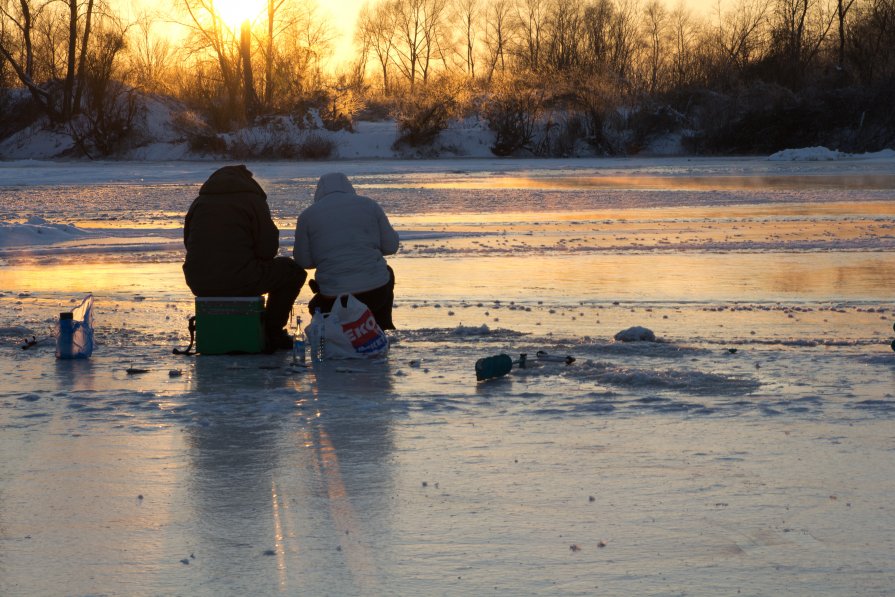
(342, 15)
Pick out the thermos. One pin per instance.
(65, 337)
(491, 367)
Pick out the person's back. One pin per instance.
(229, 235)
(345, 236)
(231, 249)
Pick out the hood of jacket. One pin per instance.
(335, 182)
(231, 179)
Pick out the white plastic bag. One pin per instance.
(74, 338)
(348, 331)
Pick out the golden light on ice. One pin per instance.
(235, 12)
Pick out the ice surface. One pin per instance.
(746, 452)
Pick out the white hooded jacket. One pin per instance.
(344, 236)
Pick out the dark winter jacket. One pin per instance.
(229, 235)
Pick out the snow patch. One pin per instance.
(37, 231)
(671, 144)
(822, 154)
(482, 330)
(636, 334)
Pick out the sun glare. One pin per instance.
(235, 12)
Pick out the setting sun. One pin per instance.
(235, 12)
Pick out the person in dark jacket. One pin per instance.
(231, 249)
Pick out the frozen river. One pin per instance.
(749, 451)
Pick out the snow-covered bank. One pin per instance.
(166, 131)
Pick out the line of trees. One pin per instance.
(55, 48)
(264, 67)
(507, 60)
(648, 47)
(50, 42)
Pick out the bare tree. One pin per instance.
(210, 36)
(788, 33)
(363, 44)
(150, 55)
(302, 47)
(24, 18)
(655, 31)
(376, 27)
(624, 39)
(295, 42)
(22, 59)
(532, 16)
(564, 29)
(842, 8)
(420, 38)
(51, 45)
(791, 19)
(435, 36)
(739, 34)
(82, 60)
(409, 39)
(250, 97)
(871, 46)
(596, 29)
(498, 34)
(467, 14)
(611, 38)
(799, 29)
(684, 39)
(273, 8)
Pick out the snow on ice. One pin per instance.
(37, 231)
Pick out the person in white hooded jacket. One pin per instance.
(345, 236)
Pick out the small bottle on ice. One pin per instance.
(298, 344)
(316, 336)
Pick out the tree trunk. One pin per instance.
(268, 64)
(82, 62)
(68, 88)
(26, 30)
(842, 8)
(245, 51)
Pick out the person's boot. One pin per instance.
(278, 340)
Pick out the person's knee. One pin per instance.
(300, 275)
(290, 271)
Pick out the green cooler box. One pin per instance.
(229, 324)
